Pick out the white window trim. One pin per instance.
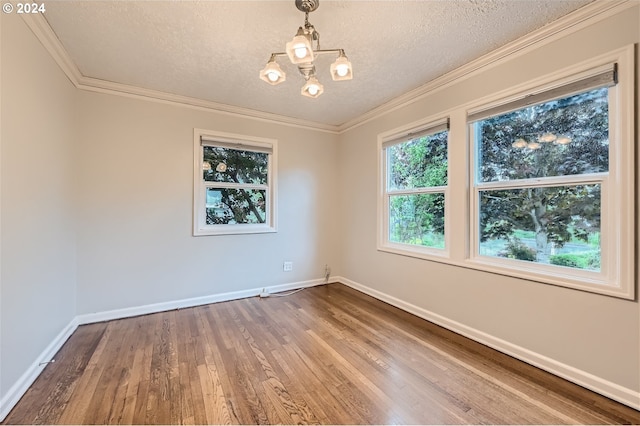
(617, 276)
(203, 137)
(460, 192)
(397, 136)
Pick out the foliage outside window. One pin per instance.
(414, 190)
(233, 184)
(542, 170)
(534, 182)
(547, 190)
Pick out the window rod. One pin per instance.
(430, 129)
(236, 144)
(600, 77)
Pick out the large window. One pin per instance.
(234, 184)
(545, 200)
(414, 190)
(539, 177)
(535, 182)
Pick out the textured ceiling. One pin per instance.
(214, 50)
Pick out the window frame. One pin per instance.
(203, 138)
(617, 274)
(460, 172)
(432, 125)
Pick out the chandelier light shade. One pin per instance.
(542, 139)
(312, 88)
(547, 137)
(519, 143)
(562, 140)
(533, 145)
(299, 49)
(272, 73)
(301, 52)
(341, 68)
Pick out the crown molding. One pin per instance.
(594, 12)
(109, 87)
(587, 15)
(43, 31)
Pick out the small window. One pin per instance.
(234, 184)
(414, 166)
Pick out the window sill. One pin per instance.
(592, 282)
(576, 280)
(234, 230)
(420, 252)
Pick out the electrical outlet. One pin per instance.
(287, 266)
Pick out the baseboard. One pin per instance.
(597, 384)
(191, 302)
(295, 286)
(16, 391)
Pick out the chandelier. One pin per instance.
(537, 142)
(302, 53)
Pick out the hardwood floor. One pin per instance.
(327, 354)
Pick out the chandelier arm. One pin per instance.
(317, 52)
(323, 51)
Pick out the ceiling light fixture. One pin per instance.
(542, 139)
(301, 52)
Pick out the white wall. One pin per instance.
(135, 245)
(597, 334)
(96, 215)
(96, 205)
(38, 278)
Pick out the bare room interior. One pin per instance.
(209, 214)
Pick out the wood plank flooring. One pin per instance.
(324, 355)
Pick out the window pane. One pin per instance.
(418, 163)
(235, 206)
(233, 165)
(551, 225)
(567, 136)
(417, 219)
